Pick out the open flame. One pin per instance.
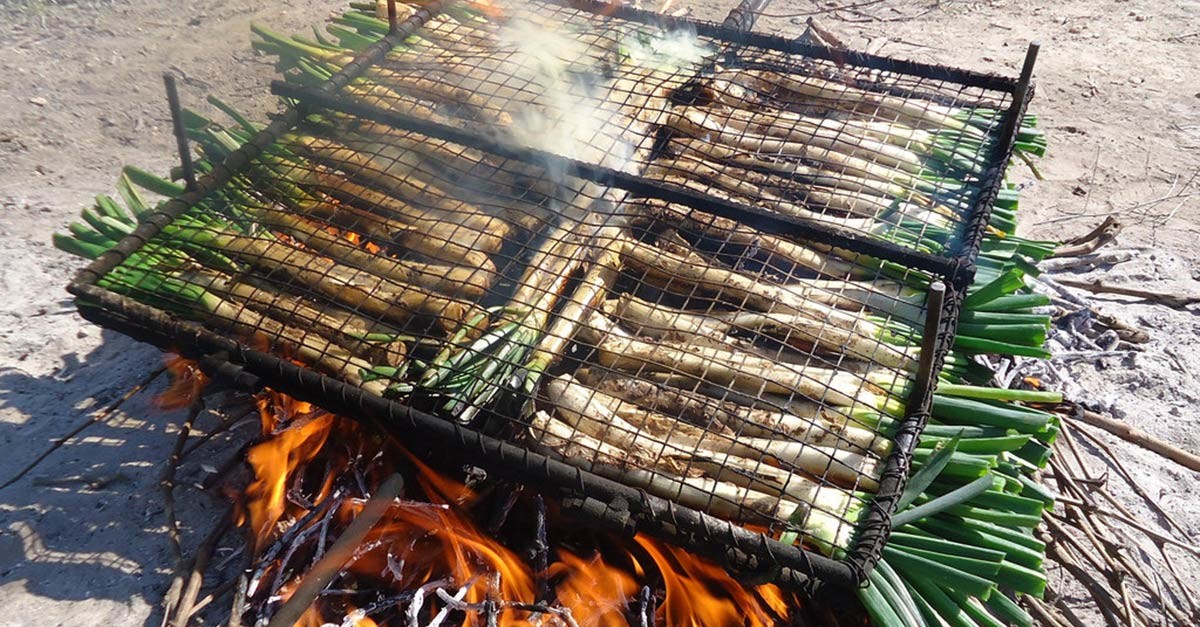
(308, 456)
(187, 382)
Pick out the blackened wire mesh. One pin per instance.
(753, 376)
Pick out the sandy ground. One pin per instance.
(82, 537)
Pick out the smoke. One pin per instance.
(580, 101)
(567, 112)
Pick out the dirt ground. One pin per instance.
(82, 536)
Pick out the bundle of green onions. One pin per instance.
(337, 254)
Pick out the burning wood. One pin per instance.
(428, 561)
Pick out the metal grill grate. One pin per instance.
(594, 255)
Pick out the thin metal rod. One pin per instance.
(745, 14)
(181, 141)
(1031, 55)
(392, 19)
(968, 247)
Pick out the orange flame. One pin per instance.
(187, 382)
(276, 460)
(594, 591)
(441, 541)
(419, 542)
(699, 592)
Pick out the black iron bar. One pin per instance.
(626, 11)
(938, 336)
(541, 550)
(745, 14)
(933, 321)
(968, 245)
(181, 141)
(755, 217)
(1021, 91)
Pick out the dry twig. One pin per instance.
(1141, 438)
(339, 554)
(99, 417)
(1104, 233)
(1100, 287)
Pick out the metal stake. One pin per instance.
(1031, 55)
(745, 14)
(392, 19)
(181, 142)
(1021, 89)
(933, 320)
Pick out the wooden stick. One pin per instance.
(1085, 244)
(166, 483)
(339, 554)
(1098, 286)
(195, 578)
(1141, 438)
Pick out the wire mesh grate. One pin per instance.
(668, 346)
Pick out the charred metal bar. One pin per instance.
(941, 316)
(541, 549)
(1021, 92)
(761, 219)
(933, 320)
(993, 178)
(745, 14)
(722, 34)
(181, 141)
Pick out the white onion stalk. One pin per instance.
(826, 520)
(876, 160)
(795, 171)
(820, 426)
(657, 435)
(660, 322)
(926, 114)
(779, 123)
(825, 261)
(740, 370)
(838, 301)
(776, 139)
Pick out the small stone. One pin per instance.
(39, 101)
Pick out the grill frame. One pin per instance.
(620, 506)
